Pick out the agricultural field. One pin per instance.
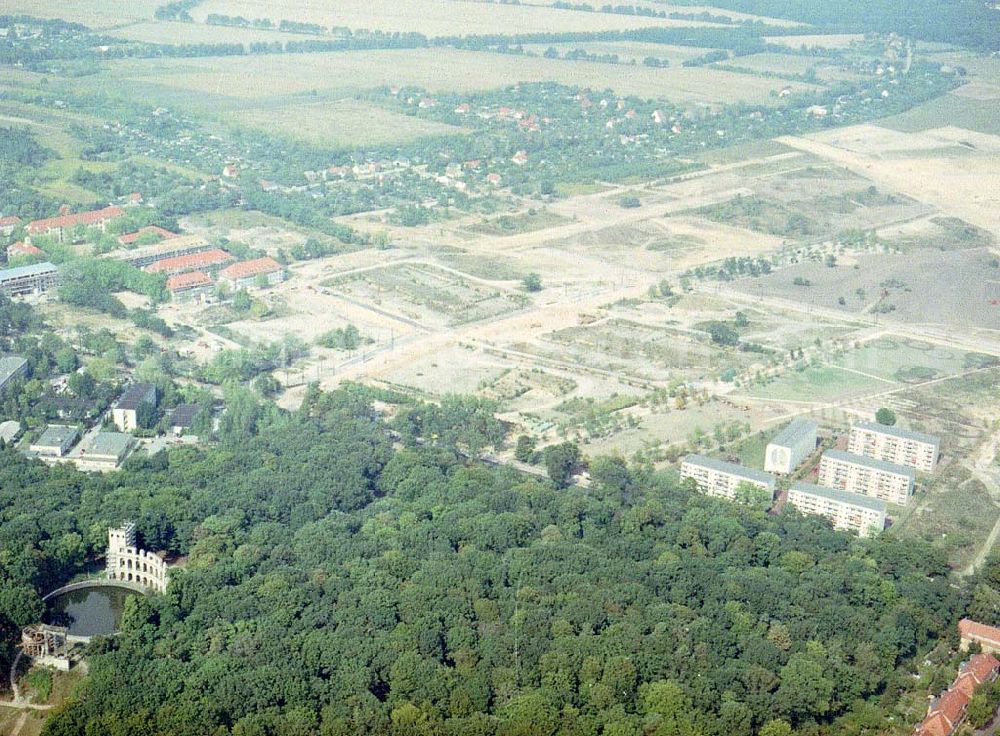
(435, 17)
(438, 70)
(788, 64)
(826, 41)
(340, 123)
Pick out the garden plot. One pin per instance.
(427, 295)
(528, 388)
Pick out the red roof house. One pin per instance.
(130, 238)
(947, 711)
(23, 249)
(204, 261)
(987, 637)
(246, 273)
(58, 225)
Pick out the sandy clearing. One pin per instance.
(963, 185)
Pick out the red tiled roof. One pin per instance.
(969, 629)
(189, 280)
(250, 268)
(9, 220)
(24, 249)
(190, 262)
(130, 238)
(83, 218)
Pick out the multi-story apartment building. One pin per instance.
(718, 478)
(790, 447)
(895, 445)
(867, 476)
(862, 515)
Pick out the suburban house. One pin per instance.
(973, 632)
(187, 287)
(36, 278)
(717, 478)
(9, 224)
(125, 414)
(947, 711)
(20, 248)
(58, 226)
(182, 418)
(241, 275)
(161, 233)
(792, 445)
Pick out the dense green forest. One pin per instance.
(336, 584)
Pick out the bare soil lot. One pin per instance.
(928, 167)
(952, 288)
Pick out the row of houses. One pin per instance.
(948, 711)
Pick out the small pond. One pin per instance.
(90, 611)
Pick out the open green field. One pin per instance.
(774, 63)
(826, 41)
(433, 17)
(438, 70)
(668, 8)
(340, 123)
(909, 361)
(818, 383)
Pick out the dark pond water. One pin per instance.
(90, 611)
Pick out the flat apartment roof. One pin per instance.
(732, 468)
(795, 432)
(112, 444)
(9, 365)
(56, 435)
(870, 462)
(135, 395)
(835, 494)
(32, 269)
(906, 434)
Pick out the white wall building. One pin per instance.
(895, 445)
(790, 447)
(853, 512)
(718, 478)
(865, 475)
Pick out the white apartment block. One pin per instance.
(895, 445)
(853, 512)
(790, 447)
(867, 476)
(717, 478)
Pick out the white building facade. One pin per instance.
(867, 476)
(895, 445)
(862, 515)
(718, 478)
(790, 447)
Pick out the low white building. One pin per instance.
(853, 512)
(790, 447)
(55, 441)
(867, 476)
(719, 478)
